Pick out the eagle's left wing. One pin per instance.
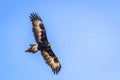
(38, 28)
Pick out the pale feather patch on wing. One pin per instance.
(36, 23)
(37, 34)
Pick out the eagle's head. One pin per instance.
(33, 48)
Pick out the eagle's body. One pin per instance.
(42, 44)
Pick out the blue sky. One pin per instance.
(85, 36)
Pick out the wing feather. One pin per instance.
(51, 60)
(38, 28)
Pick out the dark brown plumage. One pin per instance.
(42, 44)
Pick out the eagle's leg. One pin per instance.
(33, 48)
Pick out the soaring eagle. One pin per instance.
(43, 44)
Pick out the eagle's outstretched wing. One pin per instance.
(38, 28)
(43, 44)
(51, 60)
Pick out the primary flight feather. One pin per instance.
(43, 45)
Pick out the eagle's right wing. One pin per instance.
(51, 59)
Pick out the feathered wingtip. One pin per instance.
(58, 67)
(56, 71)
(34, 16)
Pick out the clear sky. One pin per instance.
(85, 35)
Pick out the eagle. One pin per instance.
(43, 44)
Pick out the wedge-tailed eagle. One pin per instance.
(43, 44)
